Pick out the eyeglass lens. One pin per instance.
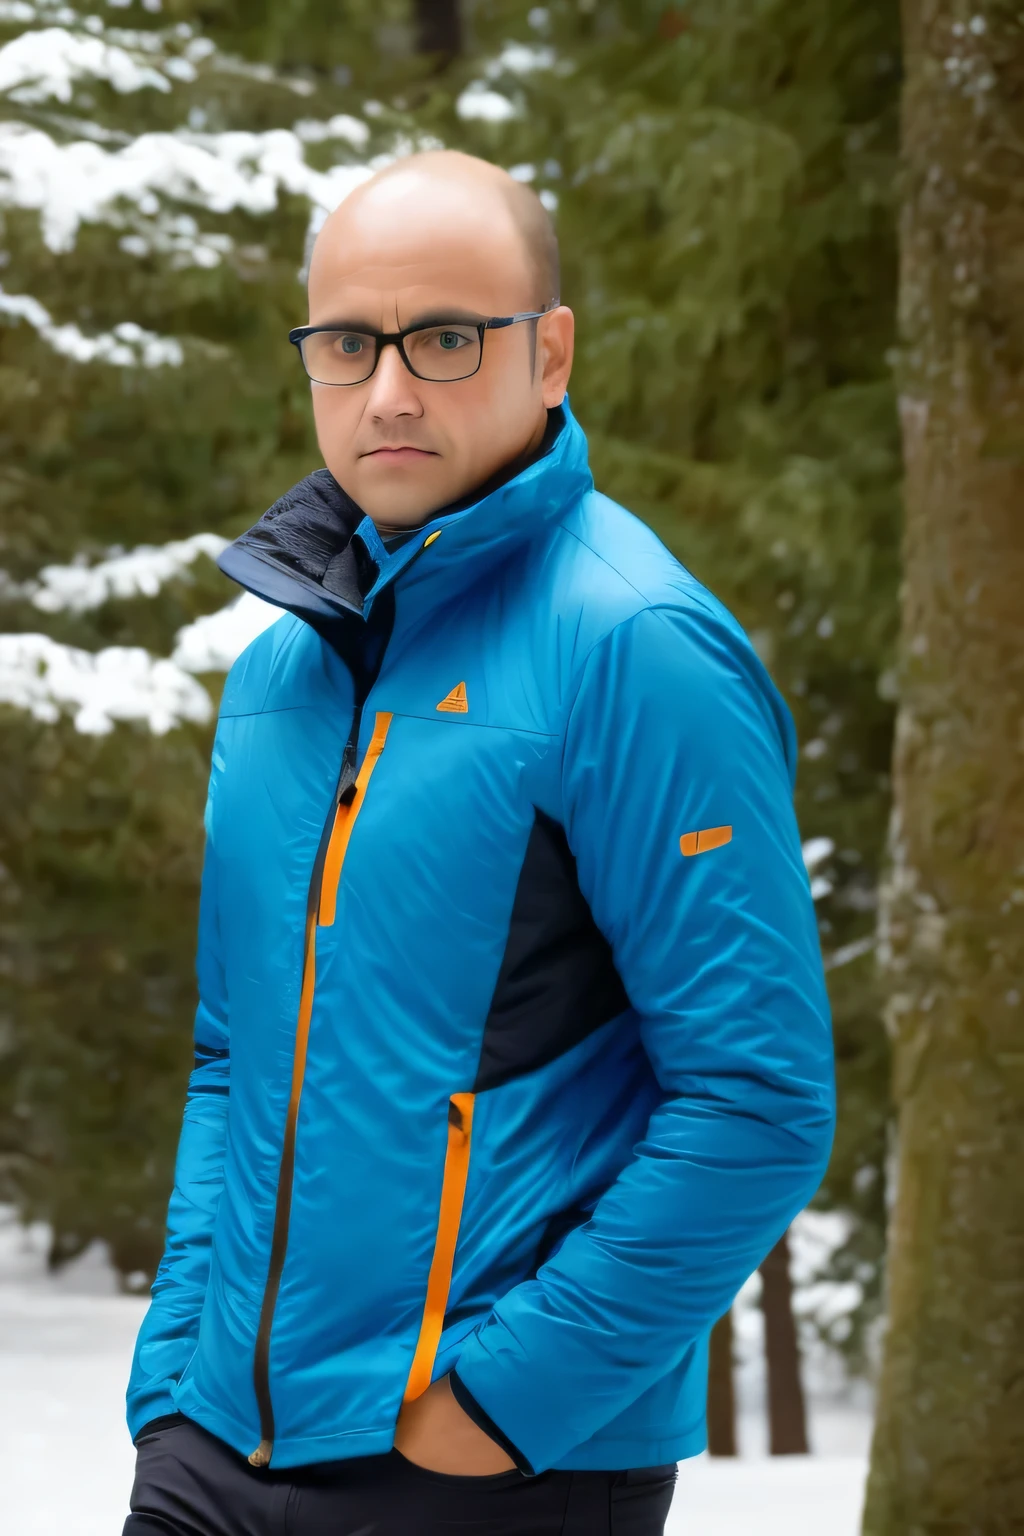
(441, 353)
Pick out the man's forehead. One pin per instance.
(352, 283)
(384, 294)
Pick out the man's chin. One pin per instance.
(398, 511)
(398, 516)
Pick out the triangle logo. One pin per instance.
(455, 703)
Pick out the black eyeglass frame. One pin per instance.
(396, 339)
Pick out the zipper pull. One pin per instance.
(262, 1454)
(347, 777)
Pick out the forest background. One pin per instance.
(722, 175)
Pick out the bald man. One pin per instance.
(513, 1055)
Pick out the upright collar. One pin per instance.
(315, 553)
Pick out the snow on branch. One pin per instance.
(100, 688)
(88, 174)
(480, 99)
(815, 851)
(141, 572)
(126, 346)
(81, 182)
(478, 102)
(215, 641)
(122, 683)
(351, 129)
(125, 682)
(47, 63)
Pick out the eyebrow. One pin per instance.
(435, 317)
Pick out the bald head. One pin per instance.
(440, 243)
(454, 184)
(524, 209)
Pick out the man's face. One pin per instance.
(413, 247)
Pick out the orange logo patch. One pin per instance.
(702, 842)
(455, 703)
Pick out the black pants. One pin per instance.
(188, 1483)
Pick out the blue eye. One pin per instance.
(351, 345)
(450, 340)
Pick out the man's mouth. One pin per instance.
(400, 455)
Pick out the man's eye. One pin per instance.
(450, 341)
(351, 345)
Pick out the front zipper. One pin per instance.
(449, 1218)
(321, 908)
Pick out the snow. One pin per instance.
(123, 683)
(139, 573)
(126, 346)
(70, 179)
(351, 129)
(521, 59)
(100, 688)
(66, 1461)
(47, 63)
(479, 102)
(816, 850)
(81, 181)
(214, 642)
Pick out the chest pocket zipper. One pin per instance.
(345, 820)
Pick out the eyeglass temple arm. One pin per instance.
(526, 314)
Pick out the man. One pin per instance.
(512, 1055)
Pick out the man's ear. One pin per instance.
(556, 338)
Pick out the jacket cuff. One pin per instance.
(471, 1408)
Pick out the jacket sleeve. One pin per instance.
(170, 1328)
(676, 730)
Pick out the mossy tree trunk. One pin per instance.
(948, 1454)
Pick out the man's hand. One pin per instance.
(433, 1432)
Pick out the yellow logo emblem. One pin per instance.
(702, 842)
(455, 703)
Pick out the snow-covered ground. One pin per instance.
(66, 1461)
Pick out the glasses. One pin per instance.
(441, 353)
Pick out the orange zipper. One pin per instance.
(335, 858)
(453, 1191)
(344, 822)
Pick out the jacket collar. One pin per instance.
(315, 553)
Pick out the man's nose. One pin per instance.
(393, 388)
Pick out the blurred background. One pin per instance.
(723, 175)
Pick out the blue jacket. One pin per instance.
(513, 1052)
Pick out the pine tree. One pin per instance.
(949, 1442)
(150, 278)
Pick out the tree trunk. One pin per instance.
(721, 1394)
(438, 27)
(948, 1453)
(787, 1418)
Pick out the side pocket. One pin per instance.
(453, 1190)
